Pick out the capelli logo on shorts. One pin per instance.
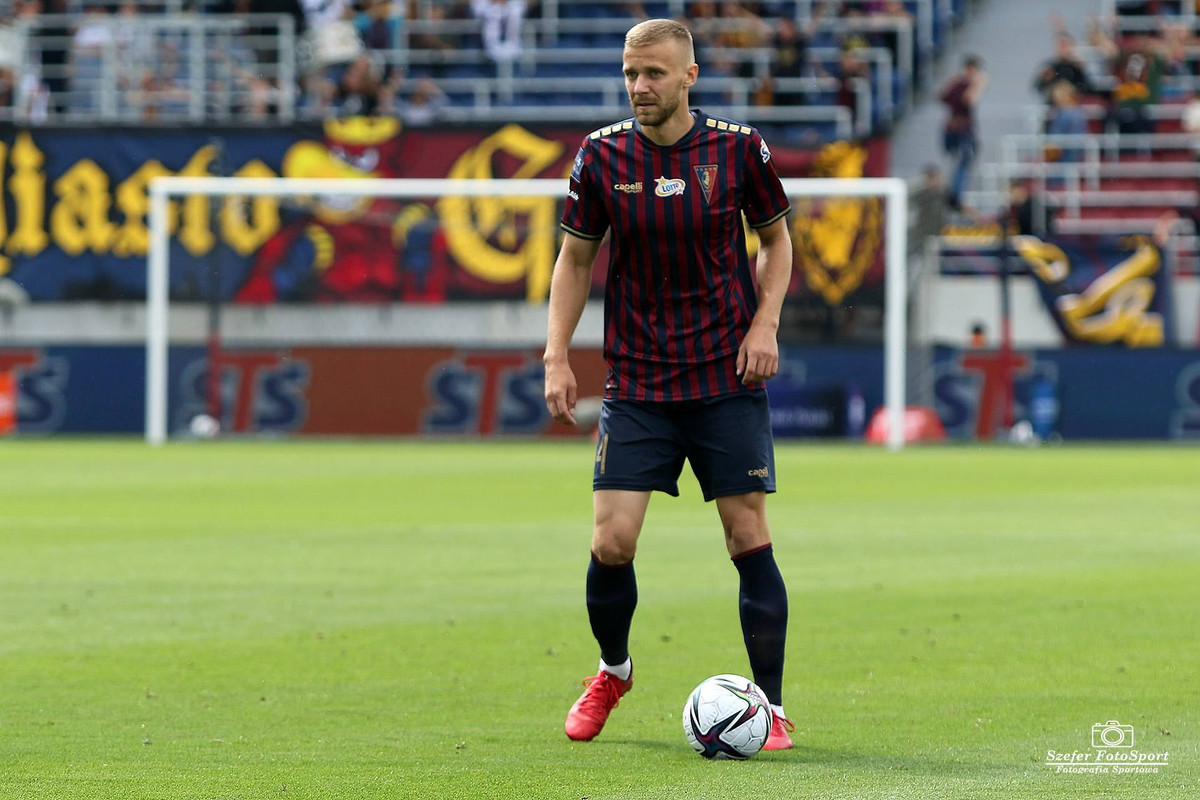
(761, 472)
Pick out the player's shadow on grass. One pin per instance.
(647, 744)
(924, 765)
(814, 756)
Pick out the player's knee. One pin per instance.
(744, 532)
(744, 541)
(611, 550)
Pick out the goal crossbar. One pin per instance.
(893, 190)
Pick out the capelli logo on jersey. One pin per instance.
(667, 187)
(629, 188)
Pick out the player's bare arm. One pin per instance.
(569, 289)
(758, 357)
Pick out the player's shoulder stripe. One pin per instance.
(728, 125)
(608, 130)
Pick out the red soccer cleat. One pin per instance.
(587, 717)
(779, 739)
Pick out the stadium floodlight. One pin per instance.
(892, 190)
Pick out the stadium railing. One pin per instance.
(160, 68)
(604, 99)
(1101, 193)
(226, 63)
(884, 100)
(894, 82)
(1145, 22)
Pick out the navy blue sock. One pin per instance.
(763, 604)
(611, 599)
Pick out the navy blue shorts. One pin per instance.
(726, 439)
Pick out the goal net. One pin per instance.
(332, 272)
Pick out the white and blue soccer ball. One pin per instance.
(727, 716)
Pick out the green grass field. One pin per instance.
(394, 620)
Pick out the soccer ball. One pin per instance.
(202, 426)
(727, 716)
(1190, 117)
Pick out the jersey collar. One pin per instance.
(697, 125)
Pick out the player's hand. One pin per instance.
(561, 391)
(758, 357)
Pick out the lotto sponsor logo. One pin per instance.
(669, 187)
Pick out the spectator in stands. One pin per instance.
(1065, 118)
(356, 92)
(978, 338)
(701, 19)
(435, 45)
(8, 84)
(258, 90)
(748, 31)
(927, 200)
(889, 38)
(138, 59)
(10, 66)
(501, 33)
(960, 96)
(790, 43)
(1065, 66)
(50, 41)
(169, 92)
(291, 8)
(1018, 218)
(851, 67)
(1138, 69)
(376, 26)
(1135, 8)
(324, 12)
(424, 104)
(91, 39)
(1174, 50)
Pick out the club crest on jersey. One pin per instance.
(707, 175)
(667, 187)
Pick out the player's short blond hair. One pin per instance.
(653, 31)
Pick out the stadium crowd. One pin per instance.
(387, 56)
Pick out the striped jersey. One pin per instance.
(680, 296)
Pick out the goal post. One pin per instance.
(162, 190)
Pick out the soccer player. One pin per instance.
(688, 343)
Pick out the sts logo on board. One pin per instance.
(32, 391)
(1185, 422)
(485, 393)
(970, 389)
(261, 391)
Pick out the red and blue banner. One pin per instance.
(1102, 290)
(73, 215)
